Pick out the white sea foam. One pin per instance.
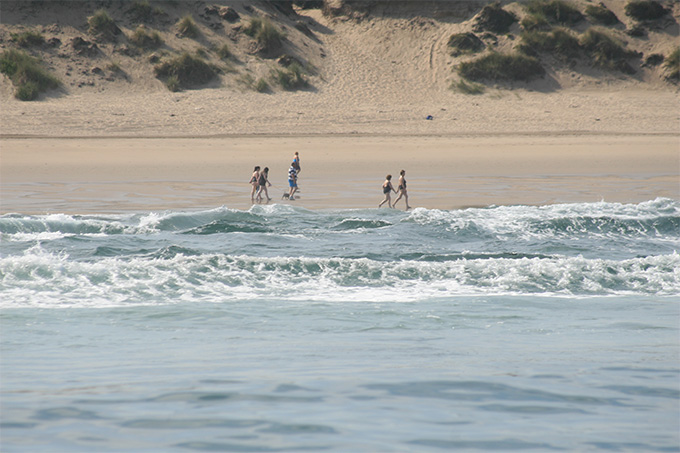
(284, 252)
(53, 280)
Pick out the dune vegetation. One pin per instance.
(27, 74)
(186, 46)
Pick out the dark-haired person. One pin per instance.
(292, 181)
(296, 165)
(254, 181)
(387, 190)
(262, 181)
(401, 189)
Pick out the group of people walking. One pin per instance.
(260, 182)
(388, 188)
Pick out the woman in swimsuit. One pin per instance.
(254, 181)
(387, 188)
(262, 182)
(402, 190)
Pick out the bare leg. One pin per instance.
(394, 205)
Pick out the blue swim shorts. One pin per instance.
(292, 183)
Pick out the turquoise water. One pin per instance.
(284, 329)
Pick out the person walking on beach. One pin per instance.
(262, 181)
(254, 181)
(296, 162)
(402, 190)
(387, 190)
(292, 181)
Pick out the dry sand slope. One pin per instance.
(379, 75)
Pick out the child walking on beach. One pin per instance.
(254, 181)
(402, 190)
(296, 162)
(262, 181)
(292, 181)
(387, 190)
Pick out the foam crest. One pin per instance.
(284, 252)
(53, 280)
(658, 218)
(59, 224)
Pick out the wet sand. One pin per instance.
(110, 175)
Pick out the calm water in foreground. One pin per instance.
(284, 329)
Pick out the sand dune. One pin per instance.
(379, 75)
(577, 135)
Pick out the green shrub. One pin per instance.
(291, 78)
(501, 67)
(309, 4)
(465, 43)
(495, 19)
(267, 35)
(27, 92)
(606, 51)
(146, 39)
(253, 26)
(555, 11)
(102, 25)
(141, 11)
(173, 84)
(187, 27)
(247, 80)
(261, 86)
(535, 22)
(115, 67)
(184, 71)
(560, 42)
(465, 87)
(645, 10)
(28, 38)
(672, 65)
(26, 74)
(224, 52)
(601, 15)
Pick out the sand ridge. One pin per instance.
(379, 75)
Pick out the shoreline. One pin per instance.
(105, 175)
(470, 134)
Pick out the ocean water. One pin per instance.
(546, 328)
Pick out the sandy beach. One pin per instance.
(118, 144)
(106, 175)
